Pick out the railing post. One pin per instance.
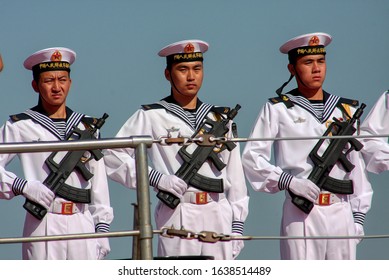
(135, 239)
(143, 196)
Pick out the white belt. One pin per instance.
(325, 199)
(201, 197)
(67, 207)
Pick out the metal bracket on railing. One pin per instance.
(203, 236)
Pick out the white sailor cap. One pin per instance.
(307, 44)
(187, 50)
(50, 59)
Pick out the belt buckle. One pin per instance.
(201, 198)
(67, 208)
(324, 199)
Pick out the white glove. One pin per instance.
(103, 248)
(304, 188)
(173, 185)
(39, 193)
(237, 245)
(359, 232)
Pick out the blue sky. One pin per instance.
(117, 69)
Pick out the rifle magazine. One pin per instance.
(74, 194)
(338, 186)
(207, 184)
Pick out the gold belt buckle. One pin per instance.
(201, 198)
(324, 199)
(67, 208)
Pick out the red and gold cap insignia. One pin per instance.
(56, 56)
(314, 41)
(189, 48)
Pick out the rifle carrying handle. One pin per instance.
(168, 199)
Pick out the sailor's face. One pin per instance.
(186, 78)
(53, 87)
(310, 71)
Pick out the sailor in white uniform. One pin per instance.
(306, 112)
(182, 114)
(52, 120)
(376, 149)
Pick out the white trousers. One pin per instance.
(331, 220)
(214, 216)
(57, 224)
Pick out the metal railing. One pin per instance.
(143, 232)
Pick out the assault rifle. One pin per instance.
(333, 153)
(204, 151)
(73, 160)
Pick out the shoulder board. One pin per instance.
(281, 99)
(351, 102)
(221, 110)
(19, 117)
(152, 106)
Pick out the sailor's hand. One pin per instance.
(237, 246)
(103, 248)
(305, 188)
(39, 193)
(359, 231)
(173, 185)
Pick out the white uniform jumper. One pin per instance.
(221, 213)
(291, 158)
(376, 150)
(33, 126)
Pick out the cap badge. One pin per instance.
(189, 48)
(314, 41)
(56, 56)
